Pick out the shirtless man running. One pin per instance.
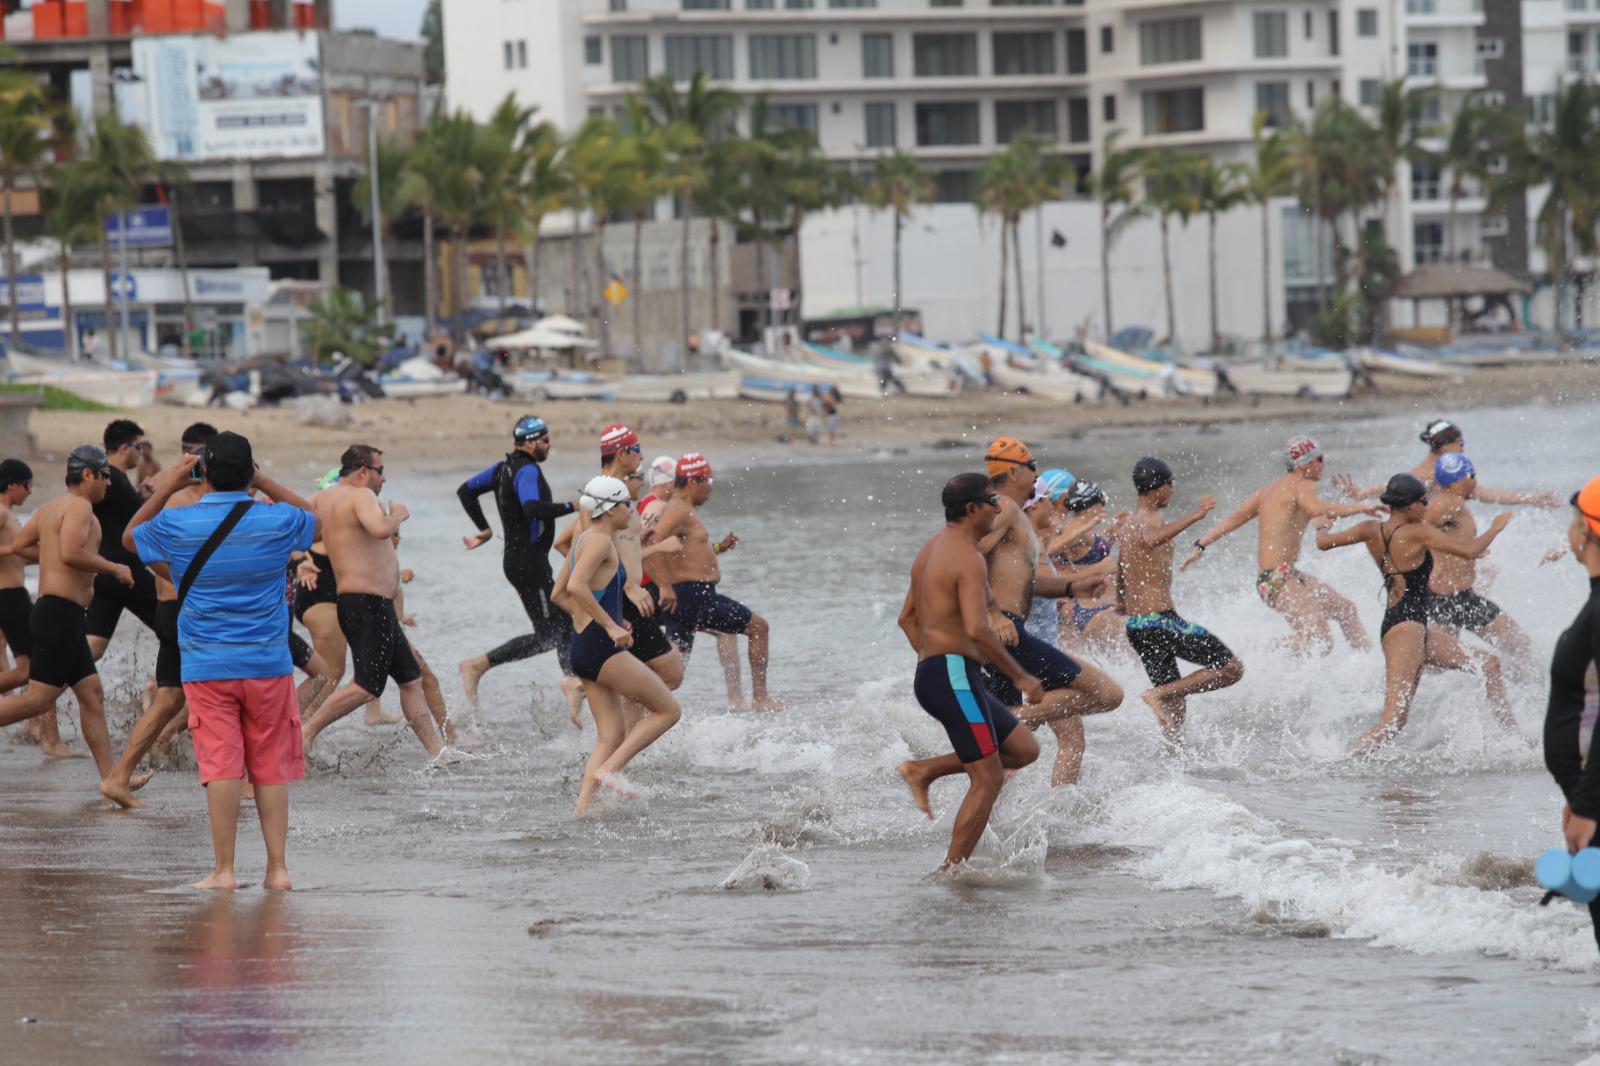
(1443, 437)
(946, 620)
(1455, 604)
(66, 536)
(1159, 635)
(1286, 507)
(1011, 549)
(359, 536)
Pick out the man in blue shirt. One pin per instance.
(528, 514)
(233, 623)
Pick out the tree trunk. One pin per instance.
(430, 271)
(1105, 267)
(1000, 330)
(530, 266)
(69, 335)
(458, 283)
(112, 346)
(1211, 263)
(1266, 273)
(638, 286)
(1317, 221)
(1022, 289)
(683, 274)
(602, 306)
(899, 302)
(11, 258)
(501, 263)
(574, 296)
(715, 320)
(1166, 274)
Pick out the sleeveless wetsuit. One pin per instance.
(592, 647)
(1413, 605)
(1570, 718)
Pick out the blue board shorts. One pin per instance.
(1054, 668)
(950, 688)
(701, 606)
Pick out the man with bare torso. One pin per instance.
(1011, 551)
(1286, 507)
(946, 620)
(1455, 603)
(359, 536)
(16, 485)
(1159, 635)
(65, 537)
(694, 573)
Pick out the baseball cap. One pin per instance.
(1453, 467)
(663, 468)
(14, 472)
(1005, 453)
(87, 457)
(228, 460)
(693, 465)
(1150, 474)
(615, 437)
(1300, 451)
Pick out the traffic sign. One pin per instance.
(615, 292)
(780, 299)
(149, 226)
(123, 287)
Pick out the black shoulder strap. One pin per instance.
(212, 543)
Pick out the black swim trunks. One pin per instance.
(299, 651)
(61, 656)
(327, 590)
(1054, 669)
(378, 646)
(169, 659)
(701, 606)
(1462, 610)
(1162, 638)
(112, 597)
(649, 639)
(15, 607)
(951, 689)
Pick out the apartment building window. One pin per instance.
(799, 5)
(1272, 100)
(1012, 117)
(1367, 92)
(1422, 59)
(711, 53)
(1169, 41)
(758, 5)
(1175, 111)
(1490, 48)
(1576, 5)
(779, 57)
(939, 125)
(1333, 33)
(1366, 22)
(793, 116)
(1311, 95)
(1271, 34)
(944, 55)
(705, 5)
(1077, 52)
(1024, 53)
(1542, 109)
(1310, 20)
(1424, 181)
(1493, 226)
(880, 125)
(1427, 241)
(1108, 108)
(1021, 3)
(877, 55)
(852, 3)
(1108, 40)
(1576, 48)
(618, 5)
(955, 187)
(516, 55)
(944, 3)
(630, 58)
(1078, 119)
(1430, 112)
(1422, 7)
(592, 55)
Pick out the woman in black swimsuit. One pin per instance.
(1402, 547)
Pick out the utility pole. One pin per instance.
(380, 279)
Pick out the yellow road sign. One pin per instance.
(615, 292)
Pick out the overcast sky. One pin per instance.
(391, 18)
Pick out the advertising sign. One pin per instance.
(149, 226)
(31, 302)
(245, 96)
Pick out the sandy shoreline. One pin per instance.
(447, 432)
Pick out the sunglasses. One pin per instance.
(1031, 464)
(375, 469)
(991, 500)
(636, 449)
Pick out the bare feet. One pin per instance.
(32, 732)
(221, 880)
(770, 703)
(1171, 724)
(58, 749)
(617, 783)
(376, 715)
(119, 793)
(918, 787)
(572, 689)
(471, 673)
(277, 881)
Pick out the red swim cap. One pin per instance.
(616, 437)
(694, 465)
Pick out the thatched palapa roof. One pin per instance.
(1439, 282)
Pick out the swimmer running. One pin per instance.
(1443, 437)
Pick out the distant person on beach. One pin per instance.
(946, 620)
(63, 537)
(884, 362)
(1403, 548)
(1011, 550)
(1159, 635)
(228, 553)
(1286, 506)
(791, 417)
(831, 402)
(528, 514)
(1443, 438)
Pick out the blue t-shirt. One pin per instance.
(234, 623)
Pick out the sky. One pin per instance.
(391, 18)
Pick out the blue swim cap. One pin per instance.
(1055, 482)
(1451, 468)
(528, 427)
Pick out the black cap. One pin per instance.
(1084, 494)
(87, 457)
(1403, 490)
(14, 472)
(1150, 474)
(1438, 433)
(228, 460)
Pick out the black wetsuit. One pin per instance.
(1413, 605)
(112, 597)
(528, 525)
(1570, 718)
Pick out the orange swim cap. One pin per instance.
(1005, 453)
(1589, 503)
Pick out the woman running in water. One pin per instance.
(1570, 718)
(1403, 548)
(1083, 552)
(591, 581)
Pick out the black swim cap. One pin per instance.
(14, 472)
(1084, 495)
(1403, 490)
(87, 457)
(1439, 433)
(1150, 474)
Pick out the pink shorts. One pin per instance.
(251, 725)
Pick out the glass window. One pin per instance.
(1427, 240)
(880, 125)
(1174, 111)
(1271, 34)
(1078, 119)
(1108, 108)
(1024, 53)
(1333, 33)
(1576, 5)
(1021, 3)
(1272, 100)
(955, 187)
(852, 3)
(1368, 90)
(1422, 7)
(1108, 39)
(705, 5)
(509, 51)
(522, 55)
(1424, 181)
(1169, 41)
(947, 124)
(591, 51)
(1310, 31)
(877, 55)
(782, 56)
(758, 5)
(1012, 117)
(943, 55)
(798, 5)
(712, 54)
(1366, 22)
(795, 116)
(944, 3)
(1077, 52)
(630, 58)
(1422, 59)
(618, 5)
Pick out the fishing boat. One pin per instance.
(1172, 379)
(114, 388)
(1379, 360)
(678, 388)
(771, 380)
(1260, 378)
(541, 385)
(418, 377)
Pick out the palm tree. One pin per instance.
(899, 183)
(707, 112)
(1478, 137)
(27, 128)
(1010, 183)
(809, 181)
(70, 218)
(441, 179)
(1399, 132)
(501, 161)
(602, 163)
(653, 146)
(1269, 175)
(1219, 188)
(120, 162)
(542, 189)
(1113, 186)
(1170, 188)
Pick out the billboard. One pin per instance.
(149, 226)
(247, 96)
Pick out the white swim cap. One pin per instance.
(663, 470)
(601, 494)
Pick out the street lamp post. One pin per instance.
(380, 278)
